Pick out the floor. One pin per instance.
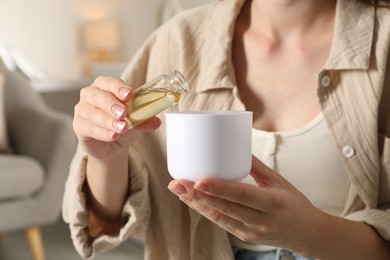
(58, 246)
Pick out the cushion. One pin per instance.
(19, 176)
(4, 147)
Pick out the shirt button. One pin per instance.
(348, 151)
(325, 81)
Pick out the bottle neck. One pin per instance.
(178, 83)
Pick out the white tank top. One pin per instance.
(308, 158)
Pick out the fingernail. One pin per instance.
(202, 187)
(118, 125)
(117, 110)
(124, 91)
(178, 189)
(111, 134)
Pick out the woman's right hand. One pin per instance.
(99, 119)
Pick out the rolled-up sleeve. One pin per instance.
(135, 212)
(378, 218)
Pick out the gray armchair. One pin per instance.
(32, 176)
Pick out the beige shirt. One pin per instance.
(308, 158)
(353, 92)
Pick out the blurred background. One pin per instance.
(57, 34)
(60, 46)
(67, 43)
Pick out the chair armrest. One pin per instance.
(38, 131)
(47, 136)
(35, 132)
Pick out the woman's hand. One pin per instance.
(273, 213)
(99, 119)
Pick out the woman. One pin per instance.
(316, 76)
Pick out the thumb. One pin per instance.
(263, 175)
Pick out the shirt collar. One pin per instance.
(216, 57)
(351, 44)
(353, 36)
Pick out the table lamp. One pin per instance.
(101, 39)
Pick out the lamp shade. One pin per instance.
(101, 35)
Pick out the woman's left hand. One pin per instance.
(273, 213)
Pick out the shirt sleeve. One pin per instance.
(135, 212)
(151, 60)
(378, 218)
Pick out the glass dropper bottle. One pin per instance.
(155, 96)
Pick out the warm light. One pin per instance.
(101, 35)
(100, 39)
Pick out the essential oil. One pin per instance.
(155, 96)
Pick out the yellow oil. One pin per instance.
(147, 102)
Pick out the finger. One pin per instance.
(149, 125)
(243, 222)
(103, 100)
(234, 210)
(99, 118)
(229, 224)
(116, 86)
(262, 231)
(261, 199)
(259, 173)
(265, 176)
(251, 233)
(85, 130)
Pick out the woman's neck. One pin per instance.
(282, 20)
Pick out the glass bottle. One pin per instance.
(155, 96)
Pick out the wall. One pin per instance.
(48, 31)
